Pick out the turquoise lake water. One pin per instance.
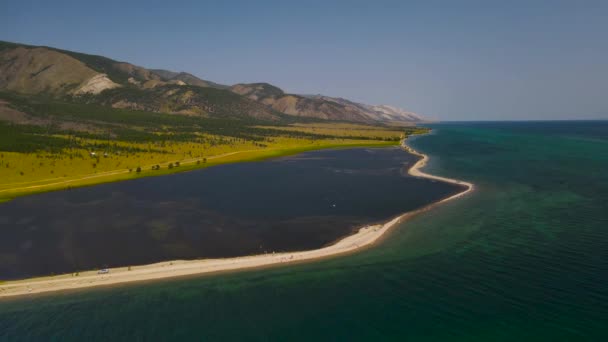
(524, 257)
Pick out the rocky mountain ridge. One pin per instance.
(48, 71)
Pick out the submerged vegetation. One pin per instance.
(51, 144)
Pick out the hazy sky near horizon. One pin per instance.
(450, 60)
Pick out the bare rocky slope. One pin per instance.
(38, 70)
(377, 112)
(75, 76)
(323, 107)
(95, 79)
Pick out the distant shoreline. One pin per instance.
(365, 237)
(185, 165)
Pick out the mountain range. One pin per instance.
(73, 76)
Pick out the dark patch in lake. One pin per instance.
(286, 204)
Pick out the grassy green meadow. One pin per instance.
(50, 145)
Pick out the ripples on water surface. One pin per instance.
(525, 257)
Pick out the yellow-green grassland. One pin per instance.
(53, 145)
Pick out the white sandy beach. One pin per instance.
(366, 236)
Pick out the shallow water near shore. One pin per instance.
(523, 257)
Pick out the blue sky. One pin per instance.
(451, 60)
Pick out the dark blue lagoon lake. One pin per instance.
(522, 258)
(292, 203)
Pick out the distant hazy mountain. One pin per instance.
(81, 77)
(384, 113)
(297, 105)
(391, 113)
(322, 107)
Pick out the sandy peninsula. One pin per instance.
(365, 237)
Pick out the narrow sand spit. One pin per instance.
(364, 238)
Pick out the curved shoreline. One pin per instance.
(365, 237)
(415, 171)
